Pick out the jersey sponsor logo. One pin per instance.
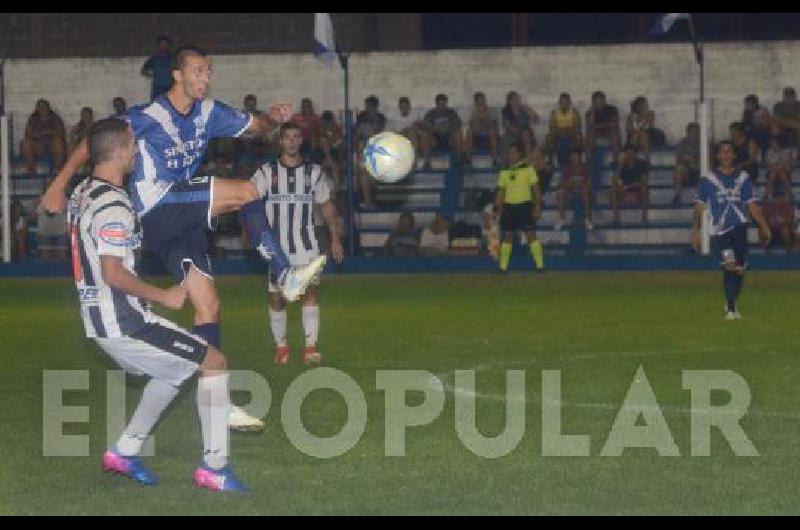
(199, 179)
(182, 346)
(89, 295)
(118, 235)
(290, 197)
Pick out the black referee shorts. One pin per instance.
(517, 217)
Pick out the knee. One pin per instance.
(249, 193)
(214, 362)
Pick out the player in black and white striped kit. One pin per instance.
(115, 307)
(291, 188)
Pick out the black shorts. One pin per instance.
(735, 240)
(517, 217)
(176, 229)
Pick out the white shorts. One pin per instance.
(294, 262)
(161, 349)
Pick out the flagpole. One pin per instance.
(348, 135)
(705, 162)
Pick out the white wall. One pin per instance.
(666, 73)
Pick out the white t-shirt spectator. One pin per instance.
(399, 123)
(436, 242)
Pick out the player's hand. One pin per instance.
(766, 235)
(54, 200)
(337, 250)
(174, 297)
(696, 240)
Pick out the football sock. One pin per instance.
(157, 395)
(255, 222)
(505, 255)
(209, 332)
(730, 289)
(212, 405)
(311, 324)
(277, 322)
(537, 253)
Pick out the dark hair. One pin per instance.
(250, 96)
(327, 115)
(478, 95)
(692, 125)
(597, 94)
(721, 143)
(180, 55)
(90, 109)
(106, 136)
(42, 100)
(372, 100)
(289, 125)
(565, 95)
(441, 97)
(752, 98)
(738, 127)
(163, 38)
(514, 145)
(789, 90)
(404, 99)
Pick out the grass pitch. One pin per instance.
(596, 328)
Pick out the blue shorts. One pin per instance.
(176, 229)
(735, 240)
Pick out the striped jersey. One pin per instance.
(102, 223)
(289, 196)
(172, 145)
(727, 196)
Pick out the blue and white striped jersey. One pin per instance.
(172, 145)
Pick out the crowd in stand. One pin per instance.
(765, 143)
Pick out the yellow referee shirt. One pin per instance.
(516, 182)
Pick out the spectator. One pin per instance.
(564, 133)
(369, 122)
(687, 161)
(159, 67)
(445, 125)
(253, 148)
(51, 235)
(518, 122)
(44, 135)
(778, 208)
(786, 116)
(574, 179)
(403, 239)
(541, 162)
(640, 126)
(745, 149)
(19, 231)
(407, 121)
(602, 126)
(310, 123)
(629, 183)
(333, 147)
(81, 129)
(120, 107)
(757, 122)
(780, 161)
(482, 129)
(435, 239)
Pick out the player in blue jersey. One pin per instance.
(176, 206)
(728, 193)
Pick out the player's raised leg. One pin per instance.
(231, 195)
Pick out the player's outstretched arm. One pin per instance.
(120, 278)
(54, 199)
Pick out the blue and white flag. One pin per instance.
(324, 42)
(665, 22)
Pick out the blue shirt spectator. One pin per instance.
(159, 67)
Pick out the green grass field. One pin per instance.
(597, 328)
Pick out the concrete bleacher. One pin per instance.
(667, 231)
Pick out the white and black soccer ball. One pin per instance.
(388, 157)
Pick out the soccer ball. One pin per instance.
(388, 156)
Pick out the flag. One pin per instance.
(665, 22)
(324, 42)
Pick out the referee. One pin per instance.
(519, 205)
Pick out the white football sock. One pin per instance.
(277, 322)
(213, 404)
(157, 395)
(311, 324)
